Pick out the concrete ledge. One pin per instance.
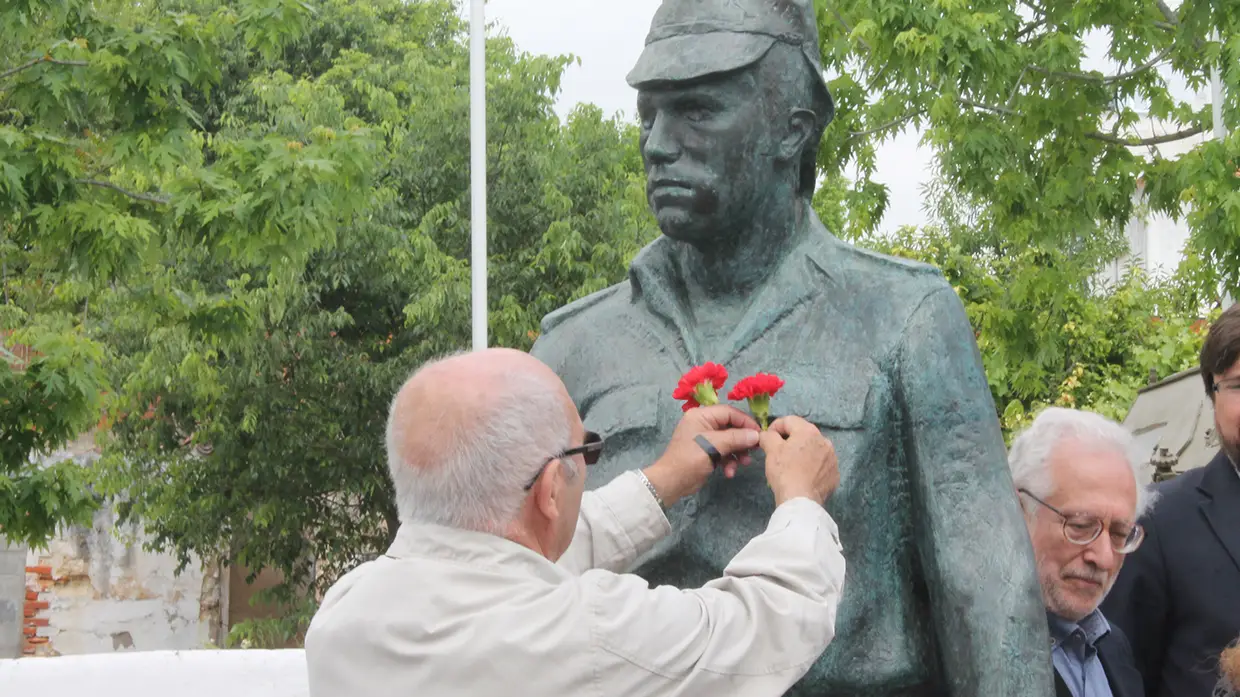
(202, 673)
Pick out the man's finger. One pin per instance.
(723, 416)
(770, 441)
(791, 425)
(735, 440)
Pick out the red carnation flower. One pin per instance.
(758, 390)
(698, 386)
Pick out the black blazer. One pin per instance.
(1115, 653)
(1178, 596)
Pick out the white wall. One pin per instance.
(12, 598)
(110, 595)
(160, 674)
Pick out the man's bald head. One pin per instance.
(466, 432)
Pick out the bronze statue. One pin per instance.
(941, 596)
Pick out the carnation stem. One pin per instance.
(760, 407)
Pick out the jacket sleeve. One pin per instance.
(754, 631)
(973, 545)
(619, 522)
(1137, 604)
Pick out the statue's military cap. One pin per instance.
(690, 39)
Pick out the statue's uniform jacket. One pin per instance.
(940, 593)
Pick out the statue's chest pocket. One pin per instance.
(837, 406)
(628, 419)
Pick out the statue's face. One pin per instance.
(708, 149)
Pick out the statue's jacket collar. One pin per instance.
(657, 285)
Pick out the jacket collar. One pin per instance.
(1221, 504)
(1094, 627)
(425, 541)
(657, 283)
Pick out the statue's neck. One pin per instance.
(749, 257)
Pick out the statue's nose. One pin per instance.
(661, 145)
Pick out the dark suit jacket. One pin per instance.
(1178, 596)
(1115, 653)
(941, 597)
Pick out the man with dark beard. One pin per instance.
(1076, 475)
(1178, 597)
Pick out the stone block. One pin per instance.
(12, 599)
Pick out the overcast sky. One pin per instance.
(608, 39)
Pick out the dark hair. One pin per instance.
(1221, 348)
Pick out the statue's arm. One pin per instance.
(972, 542)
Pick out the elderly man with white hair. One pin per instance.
(506, 578)
(1076, 474)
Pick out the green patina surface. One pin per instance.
(941, 596)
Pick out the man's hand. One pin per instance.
(684, 466)
(799, 461)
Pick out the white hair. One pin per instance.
(1029, 457)
(475, 478)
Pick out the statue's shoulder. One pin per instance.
(568, 336)
(910, 277)
(584, 309)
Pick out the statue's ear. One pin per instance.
(801, 124)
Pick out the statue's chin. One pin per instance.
(681, 225)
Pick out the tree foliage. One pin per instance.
(1044, 151)
(252, 429)
(1039, 163)
(111, 167)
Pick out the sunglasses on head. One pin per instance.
(589, 451)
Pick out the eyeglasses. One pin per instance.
(589, 451)
(1082, 529)
(1230, 388)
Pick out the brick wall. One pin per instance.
(35, 615)
(21, 354)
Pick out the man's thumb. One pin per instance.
(734, 440)
(771, 441)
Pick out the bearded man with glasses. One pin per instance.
(1076, 476)
(1178, 597)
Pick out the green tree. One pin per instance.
(112, 169)
(1043, 151)
(251, 429)
(1038, 164)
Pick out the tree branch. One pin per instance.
(1173, 22)
(1167, 13)
(149, 198)
(840, 17)
(1106, 79)
(1016, 87)
(879, 129)
(986, 107)
(1155, 140)
(36, 61)
(1030, 29)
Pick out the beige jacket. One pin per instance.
(450, 613)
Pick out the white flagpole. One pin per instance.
(478, 171)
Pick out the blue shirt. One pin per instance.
(1075, 653)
